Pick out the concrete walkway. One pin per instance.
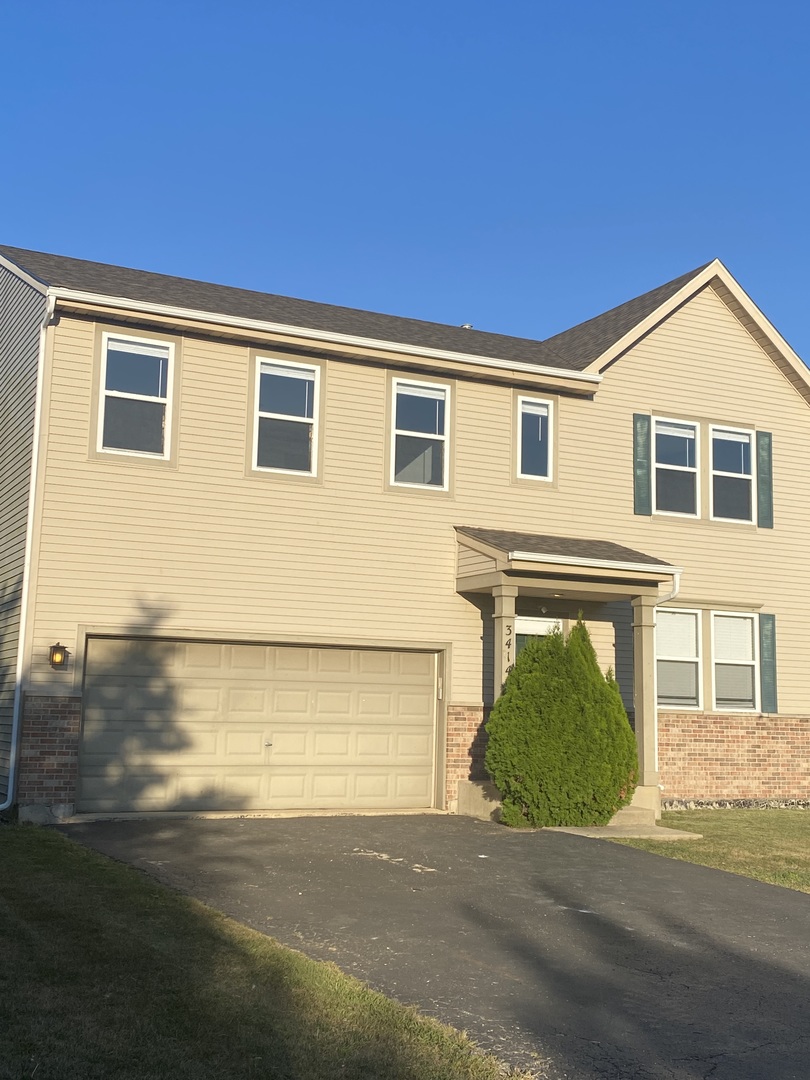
(577, 959)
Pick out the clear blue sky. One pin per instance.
(520, 166)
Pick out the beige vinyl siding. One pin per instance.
(474, 562)
(22, 310)
(214, 548)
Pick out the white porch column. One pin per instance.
(504, 596)
(644, 704)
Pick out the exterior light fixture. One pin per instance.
(58, 656)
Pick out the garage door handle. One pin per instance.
(267, 742)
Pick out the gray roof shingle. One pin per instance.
(118, 281)
(585, 342)
(569, 546)
(573, 349)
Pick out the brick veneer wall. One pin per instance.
(739, 756)
(49, 751)
(466, 743)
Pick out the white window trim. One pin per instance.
(535, 626)
(740, 476)
(524, 399)
(314, 421)
(166, 347)
(396, 384)
(753, 617)
(675, 468)
(680, 659)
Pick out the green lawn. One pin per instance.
(106, 974)
(770, 845)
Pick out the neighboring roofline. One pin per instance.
(714, 269)
(102, 299)
(601, 564)
(23, 275)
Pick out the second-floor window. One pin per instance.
(420, 434)
(675, 448)
(286, 417)
(534, 439)
(135, 402)
(732, 474)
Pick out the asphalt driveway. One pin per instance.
(575, 957)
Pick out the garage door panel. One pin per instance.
(172, 725)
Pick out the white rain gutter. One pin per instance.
(319, 335)
(16, 715)
(601, 564)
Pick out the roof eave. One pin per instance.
(310, 334)
(714, 270)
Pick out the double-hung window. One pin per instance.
(676, 461)
(286, 417)
(677, 648)
(732, 474)
(735, 641)
(135, 404)
(534, 439)
(420, 434)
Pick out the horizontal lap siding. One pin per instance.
(21, 312)
(208, 548)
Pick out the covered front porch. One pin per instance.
(555, 578)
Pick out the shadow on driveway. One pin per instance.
(575, 957)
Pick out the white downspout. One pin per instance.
(676, 588)
(16, 717)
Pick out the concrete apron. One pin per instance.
(481, 799)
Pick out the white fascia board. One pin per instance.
(689, 289)
(23, 276)
(599, 564)
(321, 335)
(715, 269)
(763, 322)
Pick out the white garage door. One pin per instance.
(179, 725)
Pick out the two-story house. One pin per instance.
(258, 553)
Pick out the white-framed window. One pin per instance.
(675, 468)
(529, 626)
(286, 428)
(420, 434)
(732, 474)
(534, 450)
(135, 398)
(735, 651)
(677, 652)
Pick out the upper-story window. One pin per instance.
(136, 399)
(534, 440)
(675, 472)
(732, 474)
(286, 417)
(420, 434)
(731, 481)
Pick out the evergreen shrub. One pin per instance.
(561, 750)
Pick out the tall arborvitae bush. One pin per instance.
(561, 750)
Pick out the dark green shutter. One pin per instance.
(764, 480)
(767, 663)
(642, 487)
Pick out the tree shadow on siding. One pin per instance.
(136, 744)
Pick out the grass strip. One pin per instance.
(768, 845)
(106, 974)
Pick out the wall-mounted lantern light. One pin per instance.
(58, 656)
